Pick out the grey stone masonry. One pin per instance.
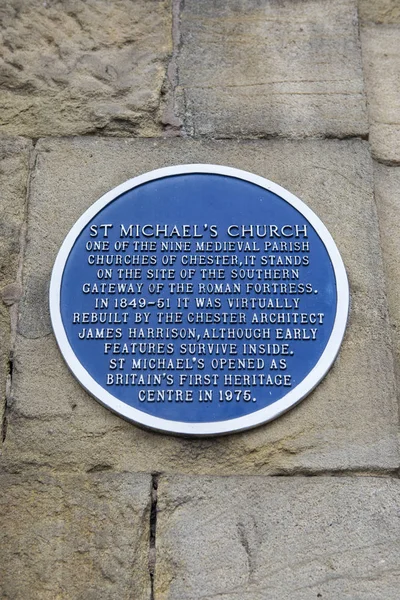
(14, 167)
(387, 193)
(381, 56)
(76, 67)
(348, 422)
(263, 539)
(75, 536)
(379, 11)
(267, 68)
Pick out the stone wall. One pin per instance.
(303, 92)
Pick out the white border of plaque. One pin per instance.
(264, 415)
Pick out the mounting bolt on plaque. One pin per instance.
(199, 300)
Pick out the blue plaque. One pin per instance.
(199, 300)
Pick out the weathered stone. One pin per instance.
(250, 68)
(379, 11)
(11, 293)
(382, 76)
(14, 159)
(286, 538)
(80, 536)
(76, 66)
(387, 192)
(349, 421)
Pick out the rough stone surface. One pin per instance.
(387, 192)
(251, 68)
(76, 66)
(77, 511)
(80, 536)
(14, 160)
(293, 539)
(379, 11)
(349, 421)
(382, 76)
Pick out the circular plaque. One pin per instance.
(199, 300)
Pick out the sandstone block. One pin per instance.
(387, 192)
(77, 67)
(80, 536)
(382, 76)
(14, 161)
(287, 538)
(251, 68)
(349, 421)
(379, 11)
(14, 164)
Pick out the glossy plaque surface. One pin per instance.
(199, 299)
